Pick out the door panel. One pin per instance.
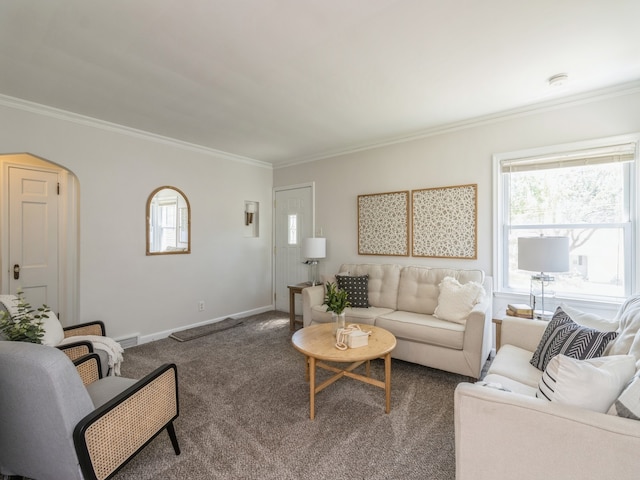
(33, 235)
(294, 221)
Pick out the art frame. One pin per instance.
(383, 224)
(444, 222)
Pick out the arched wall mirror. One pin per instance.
(168, 222)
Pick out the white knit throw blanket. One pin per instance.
(109, 345)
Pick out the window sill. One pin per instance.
(605, 308)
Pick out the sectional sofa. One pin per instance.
(441, 317)
(575, 418)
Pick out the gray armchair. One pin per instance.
(54, 426)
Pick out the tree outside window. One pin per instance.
(586, 197)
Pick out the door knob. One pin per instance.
(16, 271)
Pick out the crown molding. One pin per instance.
(39, 109)
(531, 109)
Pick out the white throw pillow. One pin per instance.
(53, 333)
(456, 301)
(590, 320)
(593, 384)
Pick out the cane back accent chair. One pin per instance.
(63, 421)
(73, 350)
(81, 348)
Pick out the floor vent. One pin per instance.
(128, 341)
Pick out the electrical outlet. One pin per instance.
(201, 306)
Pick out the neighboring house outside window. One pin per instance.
(586, 191)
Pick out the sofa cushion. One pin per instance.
(419, 286)
(366, 316)
(383, 282)
(628, 403)
(456, 300)
(357, 289)
(564, 336)
(513, 362)
(511, 385)
(422, 328)
(593, 383)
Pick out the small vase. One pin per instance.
(338, 322)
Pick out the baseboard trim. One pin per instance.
(142, 339)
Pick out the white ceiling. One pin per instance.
(284, 81)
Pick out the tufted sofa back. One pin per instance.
(419, 286)
(411, 288)
(383, 282)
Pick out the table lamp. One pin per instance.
(542, 254)
(314, 249)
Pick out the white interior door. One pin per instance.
(33, 235)
(293, 222)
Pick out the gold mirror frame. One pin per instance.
(182, 222)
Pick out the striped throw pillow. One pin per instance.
(564, 336)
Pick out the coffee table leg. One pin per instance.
(312, 387)
(387, 381)
(306, 369)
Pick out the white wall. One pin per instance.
(132, 292)
(459, 157)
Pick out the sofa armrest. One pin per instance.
(311, 296)
(531, 438)
(477, 335)
(522, 332)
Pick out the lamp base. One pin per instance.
(542, 315)
(313, 273)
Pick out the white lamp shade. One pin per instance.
(543, 254)
(314, 247)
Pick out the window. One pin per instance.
(292, 229)
(584, 191)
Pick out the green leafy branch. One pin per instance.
(26, 325)
(336, 299)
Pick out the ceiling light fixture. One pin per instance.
(558, 80)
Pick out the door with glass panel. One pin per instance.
(293, 222)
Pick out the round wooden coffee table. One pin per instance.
(317, 344)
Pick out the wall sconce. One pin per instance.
(249, 211)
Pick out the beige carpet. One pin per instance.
(244, 414)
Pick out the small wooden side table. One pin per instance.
(498, 322)
(293, 289)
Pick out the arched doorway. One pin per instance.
(39, 233)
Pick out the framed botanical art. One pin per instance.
(383, 224)
(444, 222)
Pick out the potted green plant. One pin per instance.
(26, 325)
(336, 301)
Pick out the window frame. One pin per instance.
(500, 209)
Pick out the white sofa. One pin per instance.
(513, 434)
(403, 300)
